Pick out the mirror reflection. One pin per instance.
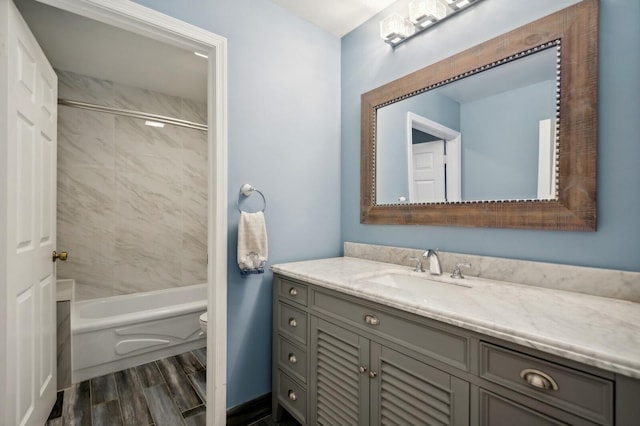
(489, 136)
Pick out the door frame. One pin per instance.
(139, 19)
(453, 148)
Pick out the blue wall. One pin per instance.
(284, 138)
(500, 142)
(367, 63)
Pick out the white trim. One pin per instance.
(546, 159)
(453, 148)
(133, 17)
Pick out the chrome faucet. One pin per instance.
(418, 267)
(434, 262)
(457, 273)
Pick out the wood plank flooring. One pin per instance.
(171, 392)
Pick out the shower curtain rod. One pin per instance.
(134, 114)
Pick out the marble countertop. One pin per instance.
(597, 331)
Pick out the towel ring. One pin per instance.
(247, 190)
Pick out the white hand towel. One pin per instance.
(252, 243)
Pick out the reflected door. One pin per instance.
(427, 172)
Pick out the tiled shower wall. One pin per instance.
(132, 199)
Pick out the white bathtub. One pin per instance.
(115, 333)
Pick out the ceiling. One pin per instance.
(337, 17)
(84, 46)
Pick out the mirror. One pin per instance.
(501, 135)
(474, 139)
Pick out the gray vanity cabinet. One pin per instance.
(357, 381)
(340, 360)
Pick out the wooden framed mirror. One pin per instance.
(558, 190)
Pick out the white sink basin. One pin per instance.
(417, 281)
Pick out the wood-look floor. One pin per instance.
(171, 392)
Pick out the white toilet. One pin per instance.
(203, 323)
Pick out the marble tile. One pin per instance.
(194, 111)
(85, 138)
(178, 384)
(82, 88)
(106, 414)
(132, 401)
(194, 271)
(86, 194)
(63, 337)
(163, 408)
(133, 98)
(130, 196)
(146, 198)
(133, 137)
(623, 285)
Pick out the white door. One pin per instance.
(28, 112)
(428, 181)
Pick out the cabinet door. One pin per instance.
(407, 391)
(339, 390)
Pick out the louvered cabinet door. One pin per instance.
(339, 387)
(406, 391)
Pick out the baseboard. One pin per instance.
(250, 411)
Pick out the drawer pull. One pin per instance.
(293, 291)
(373, 374)
(293, 322)
(293, 359)
(371, 319)
(538, 379)
(292, 395)
(363, 369)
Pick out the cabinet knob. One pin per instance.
(362, 369)
(373, 374)
(371, 319)
(293, 322)
(292, 395)
(293, 291)
(293, 359)
(538, 379)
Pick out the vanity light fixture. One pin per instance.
(202, 55)
(154, 123)
(425, 12)
(395, 28)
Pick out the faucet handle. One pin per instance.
(418, 267)
(456, 271)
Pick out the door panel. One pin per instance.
(340, 396)
(408, 391)
(428, 172)
(28, 95)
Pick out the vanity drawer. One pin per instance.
(433, 341)
(577, 392)
(292, 290)
(292, 322)
(292, 396)
(292, 359)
